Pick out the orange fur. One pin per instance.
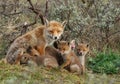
(50, 50)
(69, 56)
(48, 60)
(82, 50)
(40, 37)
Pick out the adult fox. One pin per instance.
(40, 37)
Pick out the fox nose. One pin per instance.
(80, 53)
(55, 38)
(62, 52)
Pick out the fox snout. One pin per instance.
(55, 37)
(61, 51)
(79, 53)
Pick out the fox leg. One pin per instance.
(82, 60)
(17, 61)
(65, 64)
(41, 49)
(75, 68)
(50, 62)
(25, 58)
(33, 51)
(19, 56)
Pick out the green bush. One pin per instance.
(105, 62)
(97, 23)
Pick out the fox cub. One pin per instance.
(82, 49)
(40, 37)
(47, 60)
(70, 59)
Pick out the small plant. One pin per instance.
(105, 62)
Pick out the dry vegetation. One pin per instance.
(96, 22)
(40, 75)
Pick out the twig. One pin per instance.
(117, 19)
(68, 16)
(16, 13)
(24, 26)
(46, 9)
(36, 11)
(113, 33)
(27, 25)
(31, 4)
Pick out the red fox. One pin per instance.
(48, 60)
(82, 50)
(40, 37)
(70, 59)
(52, 51)
(52, 57)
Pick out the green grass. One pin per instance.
(105, 62)
(2, 48)
(16, 74)
(10, 74)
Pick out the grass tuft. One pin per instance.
(105, 62)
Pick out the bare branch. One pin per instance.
(36, 11)
(117, 19)
(83, 1)
(25, 25)
(31, 4)
(113, 33)
(46, 9)
(16, 13)
(68, 16)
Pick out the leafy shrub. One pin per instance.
(105, 62)
(71, 11)
(97, 23)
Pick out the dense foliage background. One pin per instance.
(96, 22)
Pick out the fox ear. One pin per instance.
(47, 23)
(64, 23)
(68, 43)
(72, 43)
(87, 45)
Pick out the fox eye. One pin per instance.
(59, 48)
(58, 31)
(64, 49)
(83, 50)
(51, 31)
